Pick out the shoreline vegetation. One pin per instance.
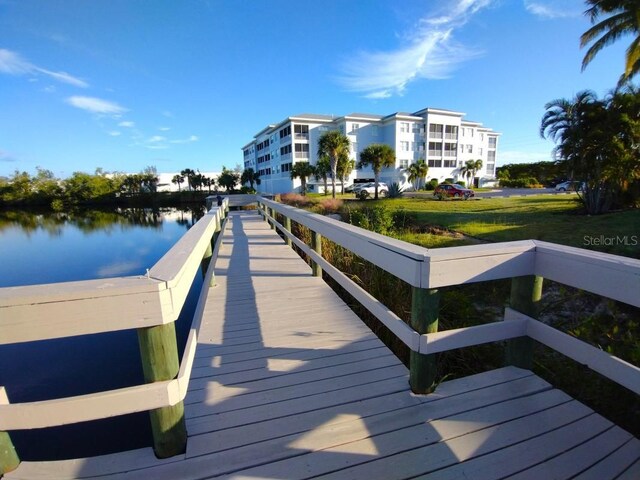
(612, 326)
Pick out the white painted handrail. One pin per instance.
(607, 275)
(38, 312)
(80, 408)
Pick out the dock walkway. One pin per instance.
(288, 383)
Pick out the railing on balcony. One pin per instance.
(150, 304)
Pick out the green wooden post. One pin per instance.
(526, 293)
(159, 353)
(287, 226)
(316, 244)
(9, 459)
(424, 319)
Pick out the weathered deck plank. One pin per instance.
(288, 383)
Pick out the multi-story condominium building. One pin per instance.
(441, 137)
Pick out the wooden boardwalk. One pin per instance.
(288, 384)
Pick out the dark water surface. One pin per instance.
(38, 248)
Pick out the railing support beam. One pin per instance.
(316, 244)
(425, 304)
(159, 353)
(526, 293)
(287, 226)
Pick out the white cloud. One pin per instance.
(192, 138)
(554, 9)
(115, 133)
(164, 129)
(156, 139)
(432, 54)
(127, 124)
(96, 105)
(5, 157)
(12, 63)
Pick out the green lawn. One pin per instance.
(556, 218)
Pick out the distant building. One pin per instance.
(441, 137)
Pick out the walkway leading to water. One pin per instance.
(288, 383)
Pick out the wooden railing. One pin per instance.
(150, 304)
(525, 262)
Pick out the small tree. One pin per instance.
(417, 173)
(333, 144)
(178, 180)
(250, 176)
(188, 174)
(228, 179)
(302, 170)
(322, 171)
(379, 156)
(345, 167)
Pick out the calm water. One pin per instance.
(45, 248)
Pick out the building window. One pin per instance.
(469, 148)
(435, 130)
(354, 147)
(415, 127)
(491, 168)
(285, 132)
(286, 149)
(404, 146)
(491, 156)
(301, 132)
(435, 149)
(450, 149)
(435, 163)
(482, 137)
(404, 164)
(302, 150)
(480, 151)
(451, 132)
(450, 164)
(355, 127)
(492, 142)
(404, 127)
(374, 130)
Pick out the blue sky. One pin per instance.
(123, 84)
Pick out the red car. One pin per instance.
(452, 190)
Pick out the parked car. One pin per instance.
(452, 190)
(365, 190)
(571, 186)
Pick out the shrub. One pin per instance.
(448, 180)
(295, 200)
(462, 183)
(395, 190)
(329, 205)
(377, 219)
(431, 184)
(520, 183)
(245, 189)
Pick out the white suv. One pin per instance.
(370, 188)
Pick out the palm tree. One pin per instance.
(378, 155)
(332, 144)
(477, 166)
(250, 176)
(623, 19)
(177, 179)
(417, 173)
(344, 168)
(323, 169)
(302, 170)
(467, 170)
(188, 174)
(209, 182)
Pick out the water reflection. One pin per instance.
(45, 247)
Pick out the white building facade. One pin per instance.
(440, 137)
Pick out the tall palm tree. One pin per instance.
(467, 171)
(302, 170)
(323, 169)
(623, 18)
(189, 175)
(344, 168)
(332, 144)
(378, 155)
